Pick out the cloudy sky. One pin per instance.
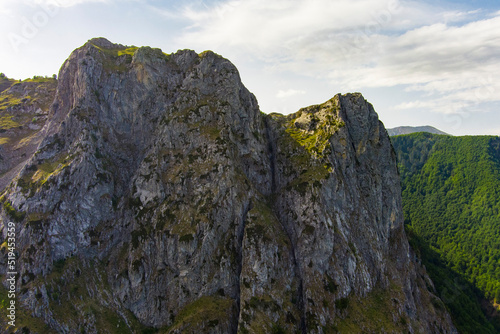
(417, 62)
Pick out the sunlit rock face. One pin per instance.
(161, 197)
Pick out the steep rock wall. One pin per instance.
(190, 210)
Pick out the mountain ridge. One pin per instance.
(189, 210)
(404, 130)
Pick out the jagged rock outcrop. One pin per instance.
(162, 197)
(24, 109)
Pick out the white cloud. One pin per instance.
(284, 94)
(4, 8)
(448, 56)
(65, 3)
(11, 6)
(168, 14)
(283, 25)
(8, 7)
(265, 25)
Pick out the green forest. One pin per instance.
(451, 203)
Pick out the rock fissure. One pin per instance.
(300, 301)
(240, 236)
(271, 154)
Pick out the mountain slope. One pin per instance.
(451, 188)
(161, 198)
(24, 110)
(405, 130)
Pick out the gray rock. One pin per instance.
(161, 196)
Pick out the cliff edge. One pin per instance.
(162, 198)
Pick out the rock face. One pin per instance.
(24, 110)
(161, 197)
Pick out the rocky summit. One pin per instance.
(160, 199)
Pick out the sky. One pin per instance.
(418, 62)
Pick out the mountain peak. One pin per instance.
(105, 43)
(160, 179)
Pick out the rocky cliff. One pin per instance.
(24, 108)
(162, 199)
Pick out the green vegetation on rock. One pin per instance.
(5, 82)
(41, 79)
(38, 175)
(16, 215)
(116, 52)
(305, 142)
(7, 123)
(374, 313)
(111, 59)
(203, 313)
(25, 322)
(264, 225)
(312, 127)
(70, 293)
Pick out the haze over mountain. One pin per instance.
(160, 198)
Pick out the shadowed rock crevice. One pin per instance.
(272, 155)
(240, 235)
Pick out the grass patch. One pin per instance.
(312, 175)
(25, 322)
(26, 140)
(305, 144)
(17, 216)
(212, 132)
(200, 314)
(312, 127)
(70, 303)
(116, 52)
(37, 176)
(129, 51)
(262, 224)
(41, 79)
(9, 101)
(186, 238)
(112, 59)
(7, 123)
(372, 314)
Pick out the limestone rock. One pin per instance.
(24, 108)
(161, 197)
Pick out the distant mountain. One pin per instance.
(5, 82)
(451, 204)
(405, 130)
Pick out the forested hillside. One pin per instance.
(451, 201)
